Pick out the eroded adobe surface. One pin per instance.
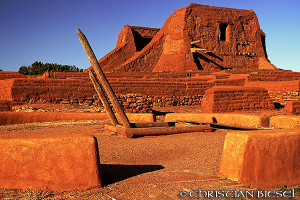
(197, 37)
(263, 159)
(141, 91)
(60, 162)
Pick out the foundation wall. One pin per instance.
(285, 121)
(25, 117)
(275, 86)
(293, 108)
(10, 75)
(228, 99)
(243, 120)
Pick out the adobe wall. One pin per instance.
(59, 162)
(265, 159)
(50, 90)
(228, 99)
(275, 86)
(274, 75)
(293, 107)
(284, 97)
(168, 89)
(138, 96)
(31, 117)
(9, 75)
(131, 40)
(6, 105)
(5, 89)
(240, 45)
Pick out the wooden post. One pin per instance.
(103, 99)
(100, 75)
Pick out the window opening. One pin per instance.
(222, 31)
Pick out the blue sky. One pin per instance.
(45, 30)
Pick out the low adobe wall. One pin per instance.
(276, 85)
(5, 90)
(5, 105)
(227, 99)
(9, 75)
(30, 117)
(284, 97)
(59, 162)
(274, 75)
(262, 159)
(244, 120)
(293, 108)
(285, 121)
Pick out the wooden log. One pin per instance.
(195, 42)
(104, 82)
(150, 131)
(152, 124)
(103, 99)
(131, 132)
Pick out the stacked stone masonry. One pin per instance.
(168, 89)
(228, 99)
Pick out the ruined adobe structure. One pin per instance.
(197, 37)
(201, 56)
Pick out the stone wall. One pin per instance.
(228, 99)
(283, 98)
(293, 108)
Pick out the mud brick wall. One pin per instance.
(144, 103)
(276, 85)
(5, 105)
(138, 96)
(293, 107)
(50, 90)
(275, 75)
(160, 88)
(5, 89)
(230, 82)
(228, 99)
(9, 75)
(66, 75)
(284, 97)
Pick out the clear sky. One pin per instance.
(45, 30)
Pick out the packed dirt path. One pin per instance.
(152, 167)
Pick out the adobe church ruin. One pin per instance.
(201, 55)
(197, 37)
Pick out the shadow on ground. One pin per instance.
(115, 173)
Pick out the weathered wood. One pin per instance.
(195, 42)
(152, 124)
(131, 132)
(193, 50)
(102, 79)
(103, 99)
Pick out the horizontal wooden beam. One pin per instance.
(193, 50)
(151, 131)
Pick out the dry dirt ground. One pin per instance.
(152, 167)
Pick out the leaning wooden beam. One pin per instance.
(103, 99)
(131, 132)
(195, 42)
(100, 75)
